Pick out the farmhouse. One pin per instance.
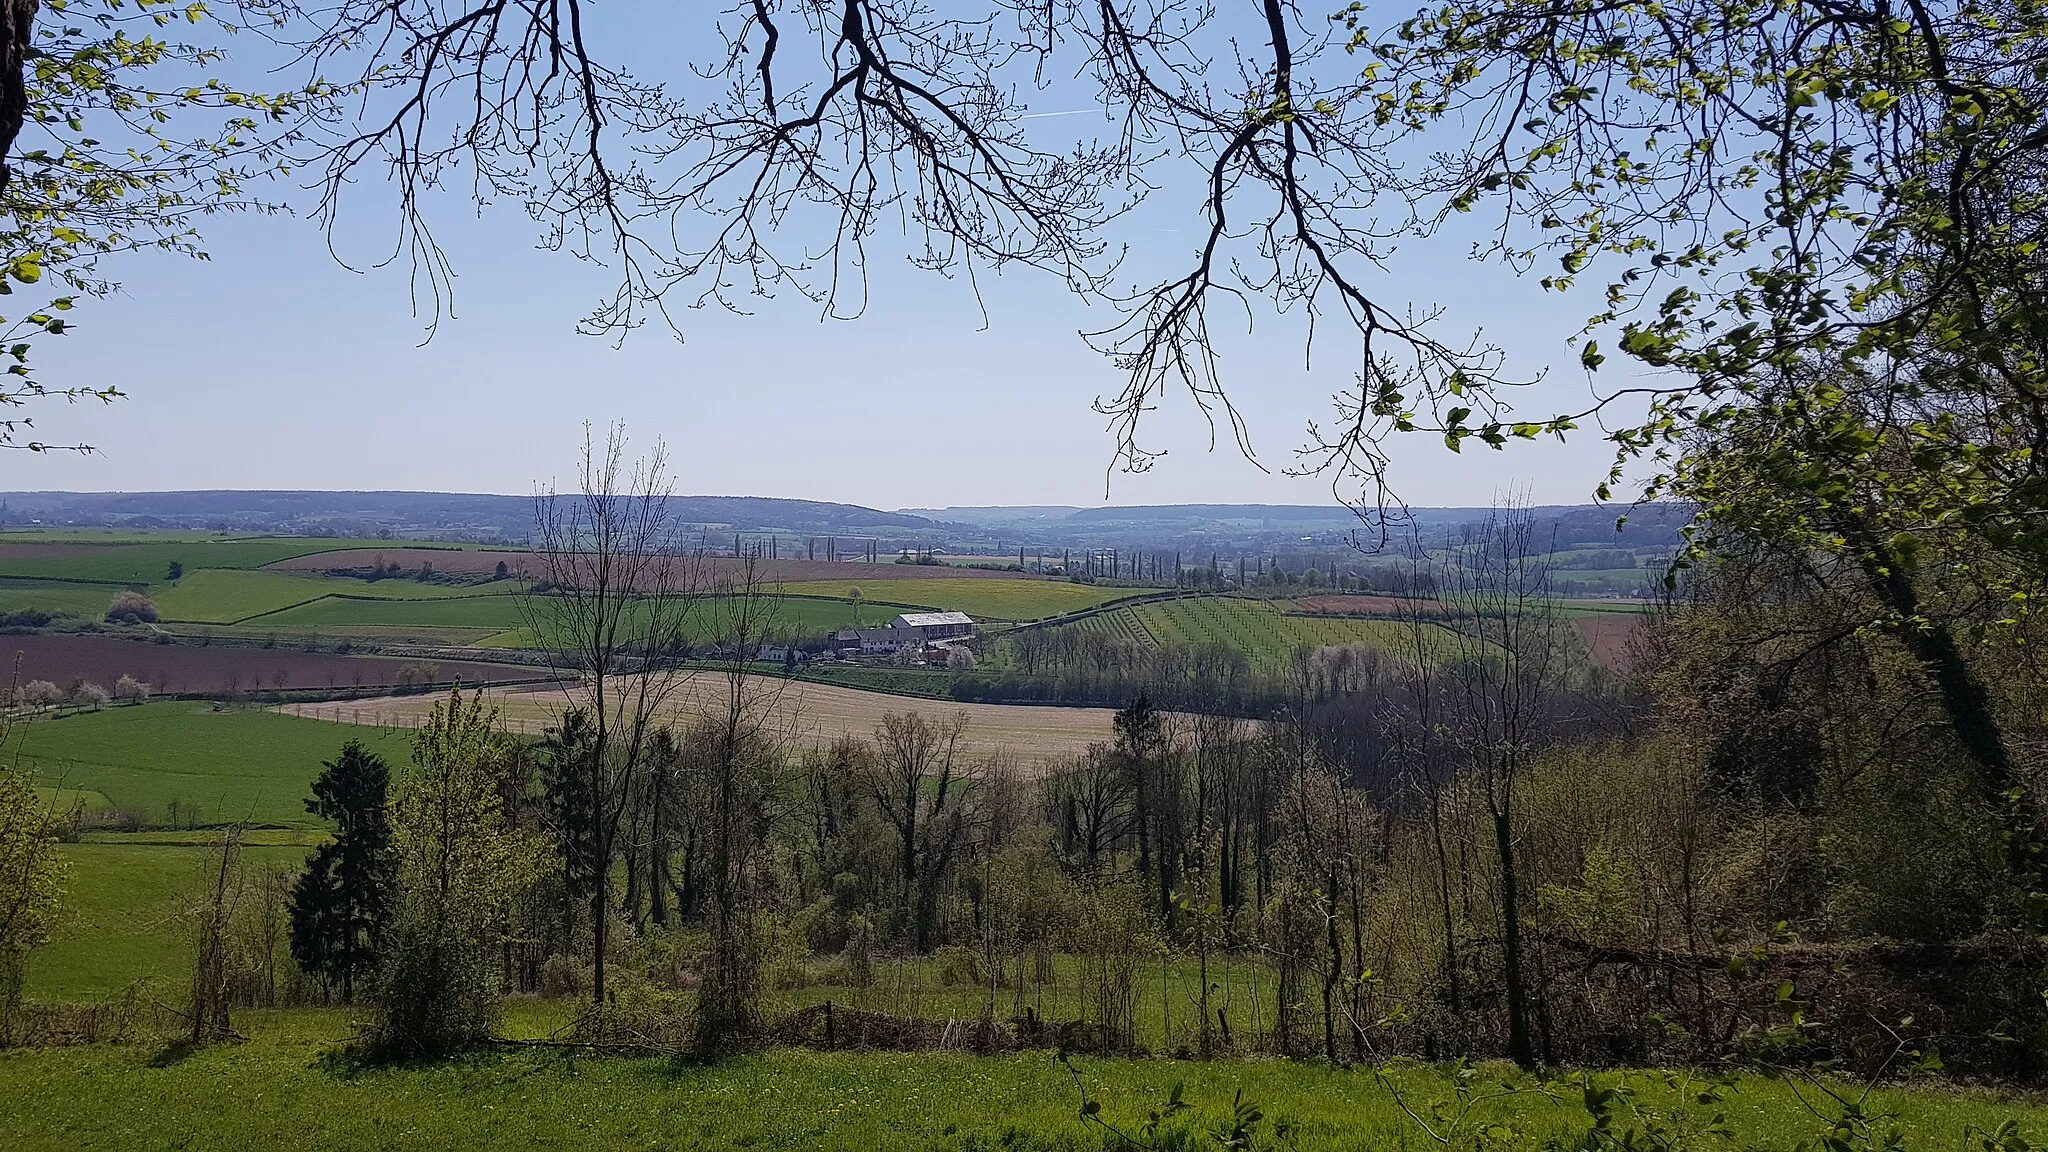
(911, 630)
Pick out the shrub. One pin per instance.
(436, 988)
(31, 873)
(131, 608)
(460, 868)
(41, 694)
(564, 976)
(417, 677)
(86, 694)
(129, 690)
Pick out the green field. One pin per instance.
(87, 601)
(337, 613)
(989, 599)
(228, 596)
(150, 563)
(123, 917)
(218, 766)
(1261, 629)
(279, 1091)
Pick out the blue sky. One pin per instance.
(273, 366)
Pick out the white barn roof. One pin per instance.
(931, 619)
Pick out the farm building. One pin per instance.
(909, 630)
(934, 625)
(872, 641)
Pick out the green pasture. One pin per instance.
(58, 798)
(107, 536)
(987, 598)
(225, 595)
(217, 766)
(149, 563)
(86, 601)
(284, 1088)
(339, 613)
(123, 918)
(229, 596)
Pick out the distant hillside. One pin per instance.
(445, 515)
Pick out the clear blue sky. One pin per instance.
(272, 366)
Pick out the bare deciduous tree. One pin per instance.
(622, 588)
(745, 614)
(921, 790)
(1509, 652)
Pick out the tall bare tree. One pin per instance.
(921, 790)
(744, 616)
(1509, 652)
(620, 588)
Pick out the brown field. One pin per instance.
(803, 713)
(1357, 605)
(215, 668)
(480, 563)
(1607, 636)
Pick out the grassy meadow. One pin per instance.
(229, 596)
(124, 915)
(149, 562)
(287, 1087)
(217, 766)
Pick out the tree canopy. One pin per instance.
(119, 133)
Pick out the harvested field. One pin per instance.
(807, 713)
(478, 561)
(216, 668)
(1357, 605)
(1607, 636)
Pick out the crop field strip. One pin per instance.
(1015, 599)
(806, 712)
(219, 766)
(1263, 630)
(148, 563)
(710, 569)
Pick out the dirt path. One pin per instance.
(810, 714)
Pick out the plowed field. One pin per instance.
(215, 668)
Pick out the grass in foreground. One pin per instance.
(288, 1088)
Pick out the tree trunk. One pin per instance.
(1963, 695)
(1520, 1050)
(17, 39)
